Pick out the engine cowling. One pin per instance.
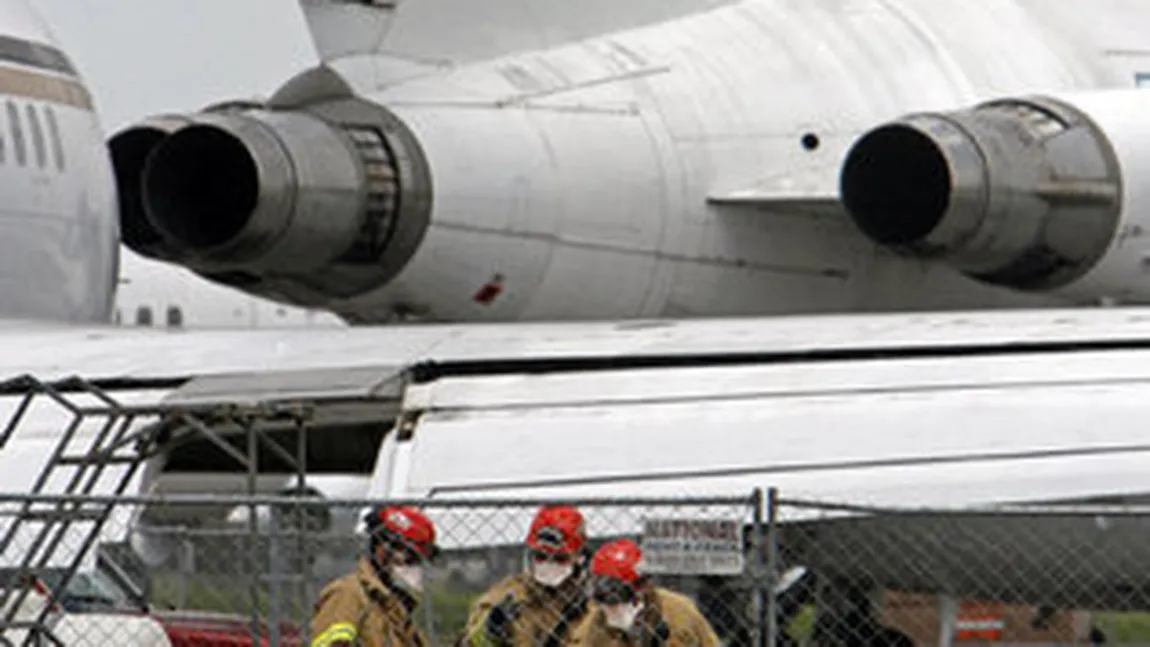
(1041, 194)
(318, 195)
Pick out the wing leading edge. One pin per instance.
(111, 353)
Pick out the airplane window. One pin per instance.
(143, 316)
(175, 317)
(37, 136)
(57, 142)
(17, 134)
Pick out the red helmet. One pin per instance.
(557, 530)
(618, 560)
(405, 526)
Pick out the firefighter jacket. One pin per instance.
(359, 610)
(544, 618)
(669, 619)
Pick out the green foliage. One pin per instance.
(450, 610)
(801, 625)
(1124, 628)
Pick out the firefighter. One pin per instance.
(629, 609)
(539, 605)
(375, 605)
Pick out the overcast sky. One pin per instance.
(142, 57)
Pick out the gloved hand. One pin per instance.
(501, 617)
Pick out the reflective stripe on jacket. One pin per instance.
(360, 610)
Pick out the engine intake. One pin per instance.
(1022, 193)
(306, 203)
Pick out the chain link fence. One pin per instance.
(762, 570)
(906, 577)
(248, 571)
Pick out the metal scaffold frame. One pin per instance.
(128, 437)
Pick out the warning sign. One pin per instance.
(693, 547)
(979, 628)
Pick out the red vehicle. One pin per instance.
(92, 604)
(207, 629)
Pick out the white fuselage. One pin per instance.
(582, 175)
(58, 228)
(155, 294)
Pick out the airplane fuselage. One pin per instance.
(58, 225)
(657, 120)
(679, 169)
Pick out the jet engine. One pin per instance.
(1039, 194)
(317, 195)
(129, 150)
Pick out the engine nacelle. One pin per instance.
(1034, 194)
(318, 196)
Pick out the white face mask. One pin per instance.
(409, 577)
(622, 616)
(551, 574)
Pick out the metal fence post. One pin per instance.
(187, 565)
(772, 566)
(253, 530)
(428, 604)
(276, 575)
(759, 632)
(304, 563)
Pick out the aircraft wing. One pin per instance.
(50, 351)
(378, 366)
